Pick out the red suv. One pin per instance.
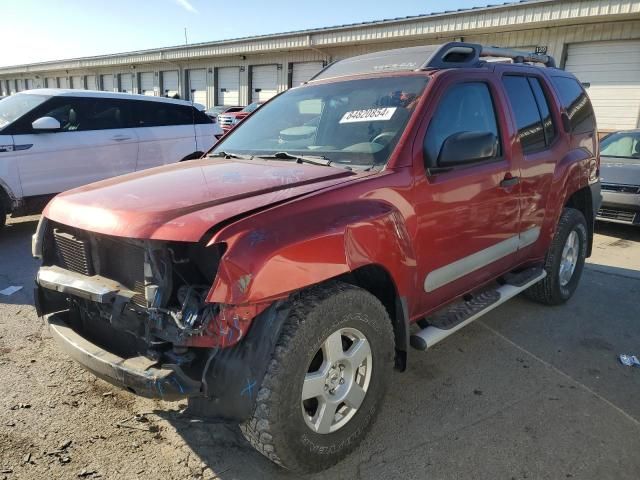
(230, 119)
(387, 203)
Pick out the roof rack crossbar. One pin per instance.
(517, 56)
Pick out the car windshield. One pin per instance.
(354, 122)
(251, 107)
(15, 106)
(621, 145)
(216, 110)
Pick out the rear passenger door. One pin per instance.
(468, 215)
(538, 148)
(165, 131)
(93, 143)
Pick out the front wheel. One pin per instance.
(564, 261)
(327, 376)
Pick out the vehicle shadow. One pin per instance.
(17, 266)
(617, 230)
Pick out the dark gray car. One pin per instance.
(620, 176)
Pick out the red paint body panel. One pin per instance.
(287, 226)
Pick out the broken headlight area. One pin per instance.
(152, 292)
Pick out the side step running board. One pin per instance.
(460, 314)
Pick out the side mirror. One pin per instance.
(467, 147)
(46, 124)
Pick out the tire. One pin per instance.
(555, 289)
(3, 213)
(278, 428)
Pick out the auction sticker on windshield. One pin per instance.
(368, 115)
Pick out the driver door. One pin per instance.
(468, 215)
(93, 143)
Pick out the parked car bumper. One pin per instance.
(619, 207)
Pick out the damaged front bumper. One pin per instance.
(140, 375)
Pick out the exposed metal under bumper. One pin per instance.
(138, 374)
(95, 288)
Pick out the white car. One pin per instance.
(52, 140)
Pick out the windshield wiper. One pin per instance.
(312, 159)
(230, 155)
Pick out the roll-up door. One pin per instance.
(76, 82)
(126, 83)
(91, 82)
(107, 82)
(146, 83)
(264, 82)
(50, 82)
(63, 82)
(169, 82)
(28, 84)
(228, 86)
(612, 72)
(304, 71)
(198, 86)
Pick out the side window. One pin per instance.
(162, 114)
(104, 114)
(68, 111)
(545, 113)
(576, 102)
(525, 109)
(465, 107)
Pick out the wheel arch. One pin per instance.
(377, 280)
(583, 201)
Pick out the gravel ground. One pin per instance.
(526, 392)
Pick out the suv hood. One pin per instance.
(622, 171)
(181, 202)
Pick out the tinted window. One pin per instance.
(525, 109)
(543, 107)
(575, 101)
(67, 111)
(104, 114)
(160, 114)
(466, 107)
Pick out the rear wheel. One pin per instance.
(327, 376)
(3, 213)
(564, 261)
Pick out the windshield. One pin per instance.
(251, 107)
(355, 122)
(621, 145)
(216, 110)
(15, 106)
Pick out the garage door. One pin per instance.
(228, 86)
(63, 82)
(613, 71)
(198, 86)
(76, 82)
(146, 83)
(28, 84)
(91, 82)
(106, 82)
(304, 71)
(126, 83)
(264, 82)
(169, 83)
(50, 82)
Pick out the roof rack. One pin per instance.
(427, 57)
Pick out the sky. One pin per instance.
(40, 30)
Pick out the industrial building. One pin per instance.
(598, 40)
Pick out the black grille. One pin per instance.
(73, 253)
(621, 188)
(113, 259)
(615, 214)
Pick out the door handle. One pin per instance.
(509, 181)
(120, 138)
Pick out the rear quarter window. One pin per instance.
(162, 114)
(576, 103)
